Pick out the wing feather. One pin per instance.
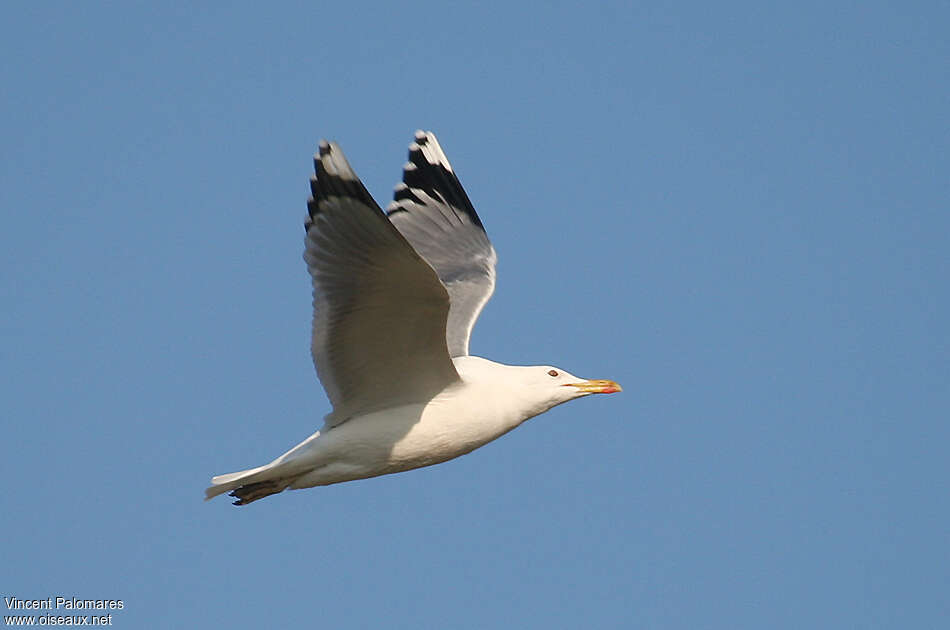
(431, 209)
(380, 310)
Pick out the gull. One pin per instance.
(395, 297)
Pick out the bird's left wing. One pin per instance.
(379, 310)
(433, 212)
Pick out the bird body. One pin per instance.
(395, 299)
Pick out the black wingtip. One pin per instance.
(428, 170)
(334, 177)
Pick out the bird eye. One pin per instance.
(552, 372)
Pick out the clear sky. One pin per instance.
(739, 211)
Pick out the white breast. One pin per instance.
(462, 418)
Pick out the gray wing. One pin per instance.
(379, 310)
(433, 212)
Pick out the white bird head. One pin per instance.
(564, 386)
(531, 390)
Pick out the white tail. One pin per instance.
(256, 483)
(225, 483)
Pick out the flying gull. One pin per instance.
(395, 297)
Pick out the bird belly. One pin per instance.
(403, 438)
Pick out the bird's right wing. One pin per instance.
(379, 310)
(435, 215)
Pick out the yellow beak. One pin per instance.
(597, 386)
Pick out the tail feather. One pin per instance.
(233, 482)
(256, 483)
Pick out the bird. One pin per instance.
(395, 298)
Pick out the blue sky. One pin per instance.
(738, 211)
